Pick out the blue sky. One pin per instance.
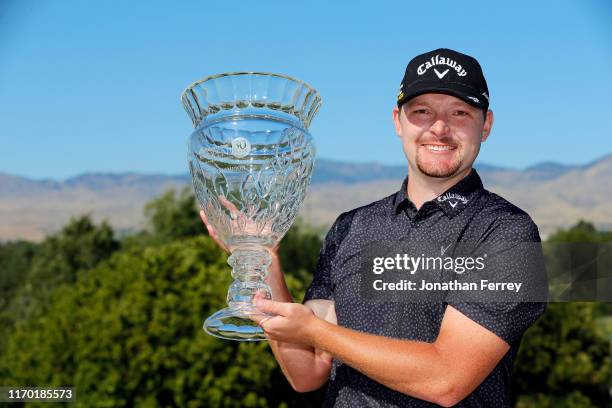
(95, 86)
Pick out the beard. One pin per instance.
(439, 167)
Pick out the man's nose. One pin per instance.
(440, 128)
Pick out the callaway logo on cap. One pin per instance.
(448, 72)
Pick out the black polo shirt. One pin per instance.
(465, 212)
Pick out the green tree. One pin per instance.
(173, 216)
(59, 259)
(15, 261)
(579, 261)
(299, 251)
(583, 231)
(564, 359)
(129, 333)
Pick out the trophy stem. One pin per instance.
(249, 269)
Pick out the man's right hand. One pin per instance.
(237, 218)
(211, 231)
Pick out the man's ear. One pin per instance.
(488, 125)
(396, 120)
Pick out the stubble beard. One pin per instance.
(439, 168)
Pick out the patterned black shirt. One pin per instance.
(465, 212)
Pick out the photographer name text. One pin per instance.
(454, 285)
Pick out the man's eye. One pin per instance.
(461, 113)
(421, 111)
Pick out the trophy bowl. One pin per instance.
(251, 159)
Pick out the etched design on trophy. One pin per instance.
(241, 147)
(251, 160)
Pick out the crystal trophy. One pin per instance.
(251, 159)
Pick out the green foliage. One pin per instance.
(128, 333)
(79, 246)
(564, 359)
(579, 261)
(573, 399)
(564, 355)
(173, 216)
(583, 231)
(15, 261)
(58, 260)
(299, 251)
(122, 322)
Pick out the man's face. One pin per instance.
(441, 134)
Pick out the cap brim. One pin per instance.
(428, 87)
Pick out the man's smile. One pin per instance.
(439, 148)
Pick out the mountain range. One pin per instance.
(555, 195)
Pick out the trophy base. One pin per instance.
(231, 324)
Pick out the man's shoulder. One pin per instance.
(371, 211)
(506, 216)
(502, 207)
(362, 218)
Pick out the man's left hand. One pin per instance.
(292, 323)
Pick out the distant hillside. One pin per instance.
(555, 195)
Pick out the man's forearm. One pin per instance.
(276, 280)
(412, 367)
(295, 360)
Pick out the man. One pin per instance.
(393, 354)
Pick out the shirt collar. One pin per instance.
(452, 201)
